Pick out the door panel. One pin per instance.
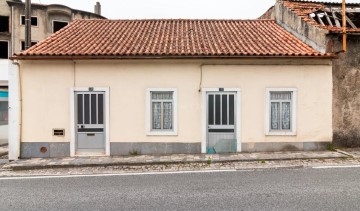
(90, 136)
(221, 133)
(90, 141)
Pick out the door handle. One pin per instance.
(90, 134)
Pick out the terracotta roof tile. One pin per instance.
(170, 38)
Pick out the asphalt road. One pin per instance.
(276, 189)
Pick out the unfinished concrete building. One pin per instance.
(319, 24)
(45, 20)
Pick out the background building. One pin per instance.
(45, 20)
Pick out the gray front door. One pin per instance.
(221, 128)
(90, 127)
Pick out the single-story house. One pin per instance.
(120, 87)
(319, 24)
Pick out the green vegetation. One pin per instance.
(330, 147)
(133, 152)
(209, 160)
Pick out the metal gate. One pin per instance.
(221, 133)
(90, 127)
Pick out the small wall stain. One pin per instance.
(43, 149)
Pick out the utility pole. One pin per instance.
(344, 25)
(27, 24)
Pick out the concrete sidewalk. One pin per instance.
(48, 163)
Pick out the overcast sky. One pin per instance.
(140, 9)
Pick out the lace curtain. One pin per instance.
(157, 115)
(162, 110)
(275, 120)
(161, 95)
(285, 114)
(280, 96)
(280, 111)
(167, 116)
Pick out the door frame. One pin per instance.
(204, 105)
(72, 117)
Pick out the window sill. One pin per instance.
(279, 133)
(159, 133)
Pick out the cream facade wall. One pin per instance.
(313, 113)
(46, 89)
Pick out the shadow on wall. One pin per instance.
(346, 139)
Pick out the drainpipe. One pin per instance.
(201, 77)
(344, 25)
(27, 24)
(12, 31)
(21, 107)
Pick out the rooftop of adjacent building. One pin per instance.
(96, 13)
(325, 14)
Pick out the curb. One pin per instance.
(15, 167)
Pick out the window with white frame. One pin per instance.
(281, 112)
(162, 111)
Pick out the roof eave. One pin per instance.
(327, 56)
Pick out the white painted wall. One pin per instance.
(4, 132)
(14, 135)
(4, 71)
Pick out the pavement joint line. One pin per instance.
(334, 167)
(119, 174)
